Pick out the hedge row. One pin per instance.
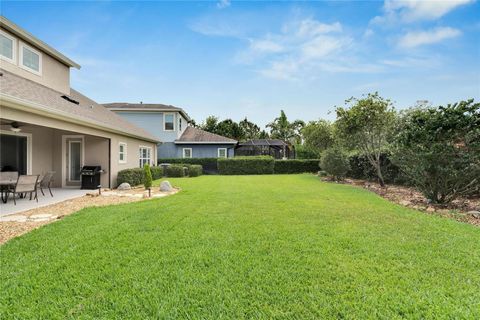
(297, 166)
(135, 176)
(246, 165)
(209, 165)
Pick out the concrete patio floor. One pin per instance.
(25, 204)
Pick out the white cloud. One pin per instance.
(222, 4)
(310, 27)
(416, 10)
(419, 38)
(265, 45)
(322, 46)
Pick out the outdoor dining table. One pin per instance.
(4, 186)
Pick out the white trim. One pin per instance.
(20, 62)
(125, 152)
(29, 146)
(14, 48)
(64, 156)
(183, 153)
(164, 123)
(205, 142)
(218, 152)
(150, 110)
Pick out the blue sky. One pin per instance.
(236, 59)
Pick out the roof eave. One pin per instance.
(205, 142)
(18, 103)
(181, 111)
(28, 37)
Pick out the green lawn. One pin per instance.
(283, 247)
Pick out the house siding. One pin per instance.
(153, 123)
(172, 150)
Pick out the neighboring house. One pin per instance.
(47, 126)
(170, 125)
(266, 147)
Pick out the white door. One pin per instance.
(74, 161)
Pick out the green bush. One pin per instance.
(361, 168)
(175, 170)
(335, 162)
(157, 172)
(132, 176)
(209, 165)
(246, 165)
(304, 152)
(147, 176)
(194, 170)
(297, 166)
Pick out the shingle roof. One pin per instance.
(196, 135)
(51, 101)
(118, 106)
(263, 142)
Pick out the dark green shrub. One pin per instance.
(335, 163)
(194, 170)
(157, 172)
(246, 165)
(438, 149)
(175, 171)
(147, 176)
(209, 165)
(304, 152)
(132, 176)
(361, 168)
(297, 166)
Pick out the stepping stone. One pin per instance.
(13, 218)
(41, 216)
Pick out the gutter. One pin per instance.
(205, 142)
(20, 104)
(181, 111)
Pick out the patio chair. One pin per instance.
(25, 184)
(8, 175)
(46, 182)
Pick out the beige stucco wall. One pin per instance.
(54, 75)
(47, 139)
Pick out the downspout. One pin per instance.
(109, 163)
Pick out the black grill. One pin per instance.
(91, 177)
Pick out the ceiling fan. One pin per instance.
(13, 125)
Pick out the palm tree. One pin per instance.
(287, 131)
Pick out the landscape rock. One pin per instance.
(430, 209)
(124, 186)
(475, 214)
(165, 186)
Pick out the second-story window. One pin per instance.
(168, 122)
(7, 47)
(30, 59)
(180, 124)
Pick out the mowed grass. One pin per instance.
(234, 247)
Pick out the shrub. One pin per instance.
(304, 152)
(194, 170)
(175, 170)
(439, 150)
(132, 176)
(361, 168)
(335, 162)
(246, 165)
(147, 176)
(297, 166)
(157, 172)
(209, 165)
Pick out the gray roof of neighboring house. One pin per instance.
(263, 142)
(198, 136)
(31, 39)
(148, 107)
(36, 96)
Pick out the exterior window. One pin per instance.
(180, 124)
(187, 152)
(7, 47)
(30, 59)
(222, 152)
(145, 156)
(168, 122)
(122, 152)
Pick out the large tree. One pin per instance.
(282, 129)
(318, 136)
(439, 150)
(210, 124)
(365, 125)
(250, 129)
(230, 129)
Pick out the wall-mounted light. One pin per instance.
(15, 127)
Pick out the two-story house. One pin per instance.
(170, 125)
(48, 126)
